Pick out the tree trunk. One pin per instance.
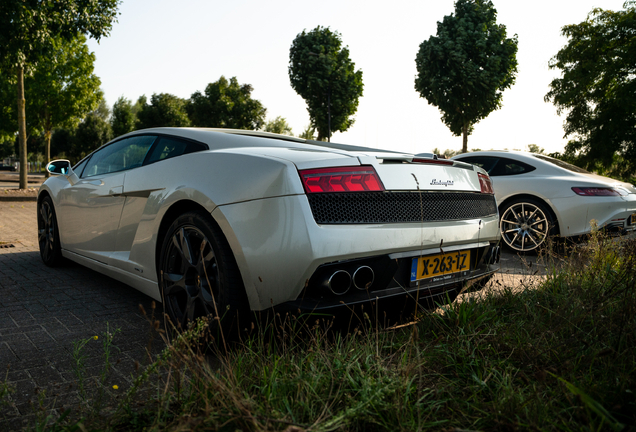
(465, 138)
(22, 130)
(47, 137)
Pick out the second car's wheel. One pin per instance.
(526, 225)
(199, 276)
(48, 235)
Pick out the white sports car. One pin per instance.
(540, 196)
(205, 220)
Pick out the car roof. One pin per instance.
(245, 138)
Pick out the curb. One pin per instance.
(17, 198)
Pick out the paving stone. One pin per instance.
(43, 311)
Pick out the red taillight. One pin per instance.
(341, 179)
(596, 191)
(486, 184)
(432, 161)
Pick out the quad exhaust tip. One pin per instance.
(363, 277)
(339, 282)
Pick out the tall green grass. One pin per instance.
(558, 356)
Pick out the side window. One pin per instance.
(485, 162)
(80, 166)
(168, 147)
(122, 155)
(507, 166)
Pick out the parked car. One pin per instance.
(4, 167)
(206, 220)
(540, 196)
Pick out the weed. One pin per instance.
(557, 356)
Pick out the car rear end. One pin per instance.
(366, 228)
(418, 228)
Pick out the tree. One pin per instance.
(321, 72)
(464, 69)
(226, 104)
(63, 88)
(164, 110)
(124, 117)
(309, 133)
(534, 148)
(27, 31)
(93, 132)
(279, 125)
(596, 90)
(7, 143)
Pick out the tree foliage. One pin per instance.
(308, 133)
(63, 88)
(464, 69)
(93, 132)
(164, 110)
(28, 29)
(597, 90)
(321, 71)
(279, 125)
(226, 104)
(124, 117)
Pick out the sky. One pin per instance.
(165, 46)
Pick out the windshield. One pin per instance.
(561, 164)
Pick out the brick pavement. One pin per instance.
(43, 311)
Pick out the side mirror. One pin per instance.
(59, 167)
(62, 167)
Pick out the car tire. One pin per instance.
(48, 234)
(526, 225)
(199, 277)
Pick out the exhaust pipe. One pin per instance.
(339, 282)
(363, 277)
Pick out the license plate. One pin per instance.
(440, 267)
(632, 219)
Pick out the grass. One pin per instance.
(559, 356)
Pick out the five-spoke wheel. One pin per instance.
(526, 225)
(48, 236)
(199, 276)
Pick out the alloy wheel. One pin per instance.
(524, 226)
(191, 280)
(46, 231)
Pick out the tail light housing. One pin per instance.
(341, 179)
(597, 191)
(485, 183)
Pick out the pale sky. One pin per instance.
(162, 46)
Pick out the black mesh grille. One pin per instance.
(393, 207)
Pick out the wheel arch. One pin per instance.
(43, 194)
(174, 211)
(184, 206)
(512, 198)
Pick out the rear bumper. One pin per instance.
(279, 246)
(612, 213)
(393, 282)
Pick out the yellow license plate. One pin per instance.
(440, 266)
(632, 219)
